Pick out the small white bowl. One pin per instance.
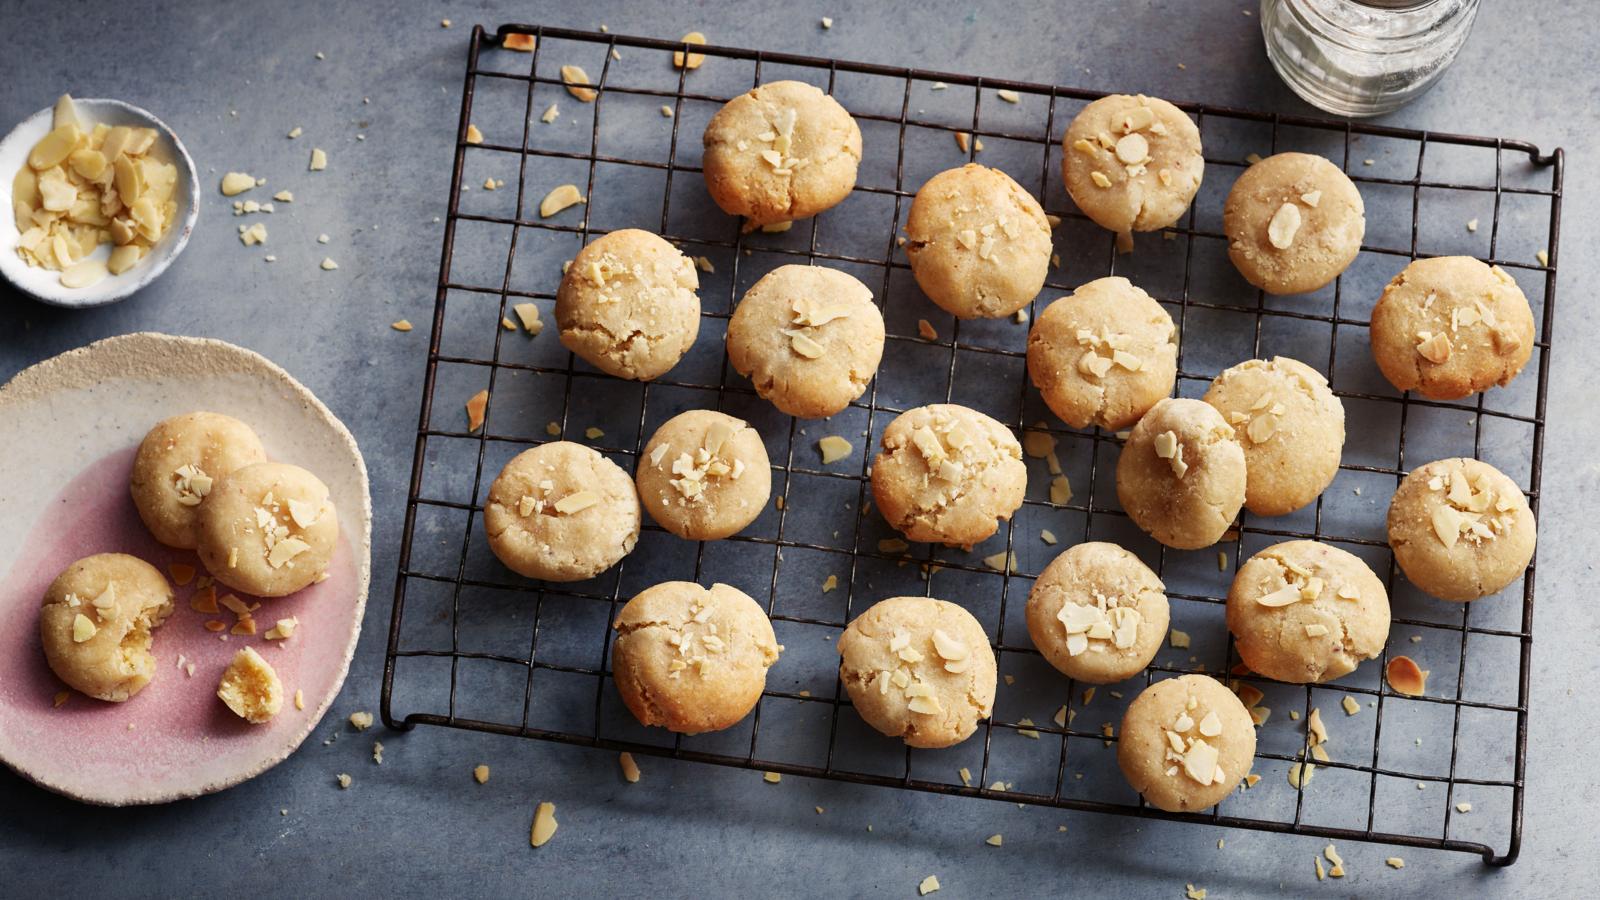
(45, 284)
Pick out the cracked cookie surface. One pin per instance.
(1097, 613)
(809, 339)
(704, 475)
(627, 305)
(1461, 529)
(1451, 326)
(1181, 474)
(692, 659)
(267, 529)
(979, 244)
(177, 464)
(1290, 425)
(918, 669)
(1103, 355)
(1132, 163)
(96, 620)
(779, 152)
(1305, 611)
(1294, 221)
(1185, 743)
(561, 512)
(948, 474)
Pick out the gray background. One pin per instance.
(417, 824)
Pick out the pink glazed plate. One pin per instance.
(69, 427)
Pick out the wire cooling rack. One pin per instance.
(473, 646)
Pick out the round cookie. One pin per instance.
(96, 621)
(627, 305)
(1181, 475)
(1132, 163)
(1460, 529)
(1304, 611)
(1290, 425)
(692, 659)
(1097, 613)
(1451, 326)
(704, 475)
(178, 463)
(561, 512)
(947, 473)
(918, 669)
(1103, 355)
(267, 529)
(1211, 726)
(809, 338)
(1294, 221)
(979, 244)
(779, 152)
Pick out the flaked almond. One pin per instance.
(948, 647)
(477, 404)
(1434, 347)
(1285, 223)
(630, 769)
(1406, 677)
(805, 346)
(689, 60)
(522, 43)
(833, 448)
(574, 78)
(474, 136)
(576, 502)
(1283, 596)
(559, 199)
(1132, 149)
(1060, 490)
(544, 824)
(1099, 178)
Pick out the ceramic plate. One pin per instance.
(70, 427)
(45, 284)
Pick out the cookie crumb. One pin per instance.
(328, 265)
(1472, 224)
(1194, 893)
(544, 824)
(1300, 775)
(474, 136)
(630, 769)
(553, 429)
(1395, 862)
(343, 780)
(551, 113)
(377, 752)
(1351, 707)
(361, 720)
(480, 773)
(829, 583)
(593, 433)
(575, 79)
(1178, 640)
(1060, 491)
(1222, 561)
(666, 111)
(295, 132)
(444, 23)
(299, 697)
(827, 22)
(1463, 807)
(401, 325)
(771, 777)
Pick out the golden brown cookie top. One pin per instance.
(978, 243)
(947, 473)
(1290, 425)
(1104, 355)
(704, 475)
(627, 305)
(1294, 221)
(1461, 529)
(1131, 162)
(779, 152)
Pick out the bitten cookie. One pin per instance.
(947, 473)
(979, 244)
(918, 669)
(1460, 529)
(96, 623)
(627, 305)
(1132, 163)
(704, 475)
(177, 464)
(1304, 611)
(692, 659)
(1097, 613)
(1103, 355)
(1451, 326)
(1290, 425)
(268, 529)
(779, 152)
(561, 512)
(250, 688)
(1294, 221)
(1185, 743)
(1181, 476)
(808, 338)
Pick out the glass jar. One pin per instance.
(1364, 57)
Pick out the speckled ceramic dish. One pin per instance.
(45, 284)
(70, 426)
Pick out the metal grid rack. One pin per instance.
(550, 696)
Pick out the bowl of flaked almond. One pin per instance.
(102, 197)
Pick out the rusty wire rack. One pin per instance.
(472, 646)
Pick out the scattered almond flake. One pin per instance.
(939, 86)
(1335, 859)
(998, 786)
(492, 184)
(476, 405)
(474, 136)
(927, 885)
(550, 114)
(295, 132)
(1003, 561)
(1406, 677)
(994, 840)
(253, 235)
(690, 61)
(559, 199)
(1060, 490)
(630, 769)
(1251, 780)
(1259, 714)
(544, 824)
(401, 325)
(1351, 707)
(361, 720)
(1194, 893)
(444, 23)
(528, 313)
(377, 752)
(1088, 696)
(282, 629)
(575, 79)
(216, 625)
(833, 448)
(1321, 874)
(328, 265)
(480, 773)
(966, 776)
(963, 141)
(299, 696)
(1294, 715)
(319, 159)
(1108, 731)
(774, 228)
(925, 330)
(1368, 162)
(1029, 731)
(1178, 640)
(1300, 775)
(1252, 158)
(1395, 862)
(1048, 536)
(522, 43)
(1061, 717)
(593, 433)
(1008, 95)
(1463, 807)
(827, 22)
(60, 698)
(666, 111)
(1472, 224)
(1543, 256)
(235, 183)
(182, 573)
(1219, 843)
(771, 777)
(343, 780)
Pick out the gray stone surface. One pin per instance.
(233, 78)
